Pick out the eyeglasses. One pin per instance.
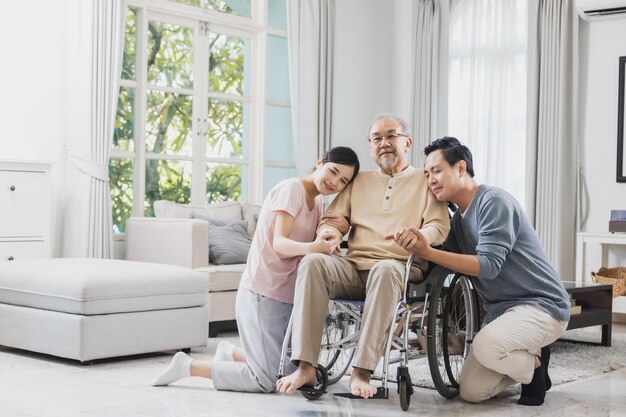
(377, 140)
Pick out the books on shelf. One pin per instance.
(574, 308)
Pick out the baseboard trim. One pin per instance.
(215, 327)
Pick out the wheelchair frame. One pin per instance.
(439, 311)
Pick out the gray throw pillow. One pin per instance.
(228, 241)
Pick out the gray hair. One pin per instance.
(386, 116)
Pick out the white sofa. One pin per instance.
(175, 237)
(86, 309)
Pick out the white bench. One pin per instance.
(86, 309)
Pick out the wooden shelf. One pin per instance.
(596, 301)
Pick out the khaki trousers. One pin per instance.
(323, 277)
(499, 355)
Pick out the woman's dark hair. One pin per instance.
(344, 156)
(452, 151)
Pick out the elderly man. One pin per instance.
(374, 204)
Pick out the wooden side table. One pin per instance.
(597, 307)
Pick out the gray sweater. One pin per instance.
(514, 269)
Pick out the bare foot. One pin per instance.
(360, 383)
(304, 375)
(456, 343)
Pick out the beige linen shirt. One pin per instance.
(375, 204)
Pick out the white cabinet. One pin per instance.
(25, 210)
(583, 272)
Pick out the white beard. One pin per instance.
(385, 162)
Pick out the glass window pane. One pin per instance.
(223, 183)
(130, 45)
(170, 55)
(277, 69)
(229, 64)
(279, 144)
(238, 7)
(168, 123)
(228, 129)
(124, 131)
(121, 186)
(167, 180)
(277, 14)
(274, 175)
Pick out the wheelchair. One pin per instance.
(444, 314)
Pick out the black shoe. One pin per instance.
(534, 393)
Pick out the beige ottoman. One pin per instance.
(87, 309)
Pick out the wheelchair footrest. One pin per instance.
(381, 393)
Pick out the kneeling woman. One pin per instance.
(285, 233)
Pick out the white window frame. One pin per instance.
(253, 28)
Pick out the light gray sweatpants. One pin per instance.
(262, 324)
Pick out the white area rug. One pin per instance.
(568, 362)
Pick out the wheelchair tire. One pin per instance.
(405, 394)
(322, 384)
(337, 359)
(339, 365)
(451, 325)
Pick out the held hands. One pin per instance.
(337, 221)
(326, 242)
(411, 240)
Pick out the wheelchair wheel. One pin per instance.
(405, 395)
(452, 323)
(338, 346)
(320, 389)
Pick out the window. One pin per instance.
(487, 88)
(204, 109)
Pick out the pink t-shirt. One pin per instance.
(268, 273)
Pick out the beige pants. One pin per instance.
(499, 356)
(323, 277)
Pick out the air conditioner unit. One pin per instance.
(594, 9)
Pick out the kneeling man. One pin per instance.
(491, 239)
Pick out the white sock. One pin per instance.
(224, 351)
(178, 368)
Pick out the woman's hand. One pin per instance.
(326, 242)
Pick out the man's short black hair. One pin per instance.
(452, 151)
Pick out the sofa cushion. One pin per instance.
(223, 277)
(228, 241)
(100, 286)
(229, 210)
(251, 215)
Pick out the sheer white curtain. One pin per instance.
(552, 135)
(96, 39)
(426, 91)
(310, 24)
(487, 88)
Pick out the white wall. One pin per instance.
(374, 68)
(602, 43)
(366, 68)
(33, 115)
